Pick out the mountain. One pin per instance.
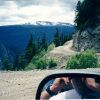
(14, 38)
(47, 23)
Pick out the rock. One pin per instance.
(87, 39)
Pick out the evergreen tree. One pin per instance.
(22, 61)
(67, 38)
(57, 39)
(6, 64)
(44, 43)
(16, 63)
(30, 50)
(85, 13)
(62, 39)
(38, 45)
(77, 18)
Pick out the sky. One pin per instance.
(24, 11)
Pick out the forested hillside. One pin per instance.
(19, 43)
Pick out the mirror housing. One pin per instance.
(73, 74)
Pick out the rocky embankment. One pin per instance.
(87, 39)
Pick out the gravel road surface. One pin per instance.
(20, 85)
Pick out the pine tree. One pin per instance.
(6, 64)
(44, 43)
(62, 39)
(77, 17)
(85, 13)
(22, 61)
(16, 63)
(57, 39)
(30, 50)
(38, 43)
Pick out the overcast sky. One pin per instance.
(23, 11)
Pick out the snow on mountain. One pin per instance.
(47, 23)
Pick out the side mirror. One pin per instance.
(69, 86)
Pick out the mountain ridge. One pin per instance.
(43, 23)
(15, 37)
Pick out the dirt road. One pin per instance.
(65, 49)
(62, 53)
(20, 85)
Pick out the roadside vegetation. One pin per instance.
(85, 59)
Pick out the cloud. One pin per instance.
(2, 2)
(21, 11)
(39, 2)
(63, 3)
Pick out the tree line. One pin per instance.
(87, 12)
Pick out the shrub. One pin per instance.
(52, 63)
(36, 61)
(51, 47)
(98, 65)
(72, 63)
(41, 64)
(30, 66)
(86, 59)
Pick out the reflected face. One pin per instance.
(74, 88)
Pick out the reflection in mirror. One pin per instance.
(71, 88)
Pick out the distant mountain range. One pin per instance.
(47, 23)
(14, 38)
